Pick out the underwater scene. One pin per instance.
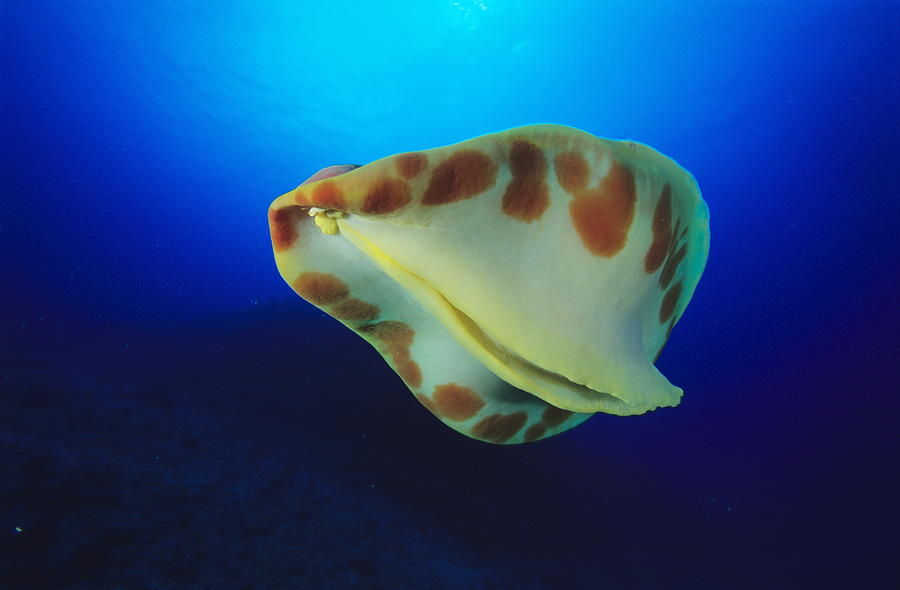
(449, 294)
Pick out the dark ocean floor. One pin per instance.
(215, 457)
(239, 453)
(114, 487)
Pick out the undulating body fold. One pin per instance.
(535, 271)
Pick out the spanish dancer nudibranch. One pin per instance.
(517, 282)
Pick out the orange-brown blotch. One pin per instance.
(670, 300)
(668, 272)
(662, 231)
(456, 402)
(320, 288)
(534, 432)
(553, 416)
(392, 334)
(386, 195)
(283, 226)
(408, 370)
(328, 195)
(396, 338)
(461, 176)
(603, 215)
(355, 310)
(572, 171)
(527, 196)
(499, 428)
(409, 165)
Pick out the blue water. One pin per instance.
(173, 416)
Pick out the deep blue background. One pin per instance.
(142, 144)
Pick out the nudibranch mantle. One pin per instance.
(517, 282)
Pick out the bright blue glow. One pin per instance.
(155, 134)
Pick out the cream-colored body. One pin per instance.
(491, 252)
